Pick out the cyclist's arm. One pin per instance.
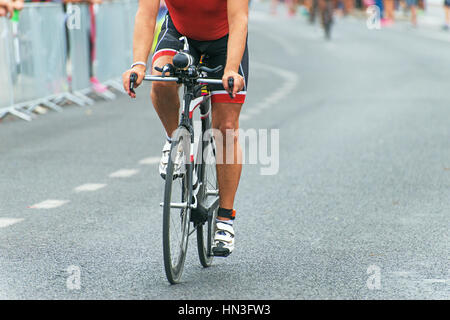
(144, 28)
(237, 23)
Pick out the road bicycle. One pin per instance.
(191, 193)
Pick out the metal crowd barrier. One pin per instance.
(114, 24)
(78, 33)
(7, 73)
(37, 52)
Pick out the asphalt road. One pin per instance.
(358, 209)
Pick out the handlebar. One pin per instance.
(163, 78)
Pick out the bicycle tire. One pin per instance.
(206, 230)
(176, 246)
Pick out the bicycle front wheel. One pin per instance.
(177, 205)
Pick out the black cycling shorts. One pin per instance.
(216, 54)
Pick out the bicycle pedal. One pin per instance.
(220, 251)
(175, 176)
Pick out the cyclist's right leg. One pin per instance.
(164, 95)
(166, 102)
(165, 98)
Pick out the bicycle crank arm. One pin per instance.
(182, 205)
(178, 205)
(212, 192)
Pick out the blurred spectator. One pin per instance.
(273, 6)
(18, 4)
(412, 5)
(6, 8)
(290, 4)
(96, 85)
(447, 14)
(349, 5)
(389, 6)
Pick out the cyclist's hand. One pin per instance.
(238, 82)
(140, 71)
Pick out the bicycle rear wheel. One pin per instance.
(208, 202)
(177, 205)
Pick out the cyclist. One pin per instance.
(325, 8)
(217, 28)
(412, 5)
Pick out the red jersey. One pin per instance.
(199, 19)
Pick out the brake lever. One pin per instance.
(230, 86)
(133, 79)
(168, 68)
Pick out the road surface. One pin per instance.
(358, 208)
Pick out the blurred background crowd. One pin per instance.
(389, 9)
(112, 32)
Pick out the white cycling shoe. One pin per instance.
(223, 239)
(177, 172)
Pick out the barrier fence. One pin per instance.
(47, 58)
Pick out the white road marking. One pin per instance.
(290, 83)
(6, 222)
(90, 187)
(436, 280)
(49, 204)
(124, 173)
(150, 160)
(403, 273)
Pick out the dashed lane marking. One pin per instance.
(90, 187)
(49, 204)
(6, 222)
(150, 160)
(124, 173)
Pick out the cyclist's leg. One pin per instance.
(225, 118)
(165, 98)
(447, 13)
(165, 94)
(322, 4)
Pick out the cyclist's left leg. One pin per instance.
(225, 118)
